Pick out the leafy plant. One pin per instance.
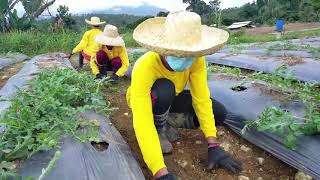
(289, 46)
(283, 123)
(39, 117)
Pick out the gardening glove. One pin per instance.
(100, 76)
(167, 177)
(218, 158)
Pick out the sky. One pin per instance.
(86, 6)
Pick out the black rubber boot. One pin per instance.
(161, 126)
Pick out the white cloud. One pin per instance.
(86, 6)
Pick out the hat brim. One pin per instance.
(105, 40)
(95, 23)
(150, 34)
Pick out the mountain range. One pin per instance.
(142, 10)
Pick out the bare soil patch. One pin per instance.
(288, 27)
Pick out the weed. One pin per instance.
(277, 120)
(224, 69)
(290, 46)
(39, 117)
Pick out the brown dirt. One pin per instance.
(288, 27)
(188, 160)
(8, 72)
(288, 60)
(277, 94)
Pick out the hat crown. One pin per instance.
(95, 19)
(111, 31)
(183, 28)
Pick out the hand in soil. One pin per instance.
(218, 158)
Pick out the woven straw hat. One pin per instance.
(180, 34)
(95, 21)
(110, 36)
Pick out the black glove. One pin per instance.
(100, 76)
(167, 177)
(217, 158)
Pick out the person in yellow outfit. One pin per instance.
(112, 55)
(87, 46)
(178, 44)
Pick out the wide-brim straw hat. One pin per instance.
(95, 21)
(110, 36)
(180, 34)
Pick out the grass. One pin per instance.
(32, 43)
(130, 42)
(237, 39)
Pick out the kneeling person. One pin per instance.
(112, 55)
(178, 45)
(87, 46)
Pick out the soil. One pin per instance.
(188, 160)
(288, 27)
(8, 72)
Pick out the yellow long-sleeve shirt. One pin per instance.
(116, 51)
(146, 71)
(87, 43)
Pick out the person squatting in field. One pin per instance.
(111, 56)
(178, 44)
(87, 46)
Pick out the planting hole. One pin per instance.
(100, 146)
(239, 88)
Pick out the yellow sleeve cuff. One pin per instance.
(156, 166)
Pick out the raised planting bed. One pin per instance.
(53, 126)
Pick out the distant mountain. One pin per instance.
(143, 10)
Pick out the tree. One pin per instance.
(33, 9)
(198, 6)
(316, 7)
(162, 14)
(63, 16)
(215, 9)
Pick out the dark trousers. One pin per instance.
(105, 64)
(163, 97)
(81, 60)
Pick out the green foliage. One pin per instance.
(31, 6)
(236, 39)
(284, 123)
(128, 38)
(19, 23)
(224, 69)
(267, 11)
(290, 46)
(37, 118)
(280, 121)
(33, 43)
(8, 13)
(137, 22)
(66, 17)
(134, 57)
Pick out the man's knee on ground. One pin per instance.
(163, 93)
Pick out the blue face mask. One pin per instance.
(180, 64)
